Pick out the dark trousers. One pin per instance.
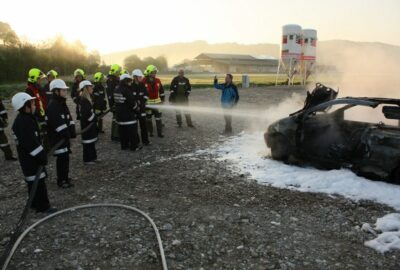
(100, 124)
(144, 135)
(129, 136)
(5, 146)
(62, 164)
(89, 152)
(41, 200)
(157, 115)
(228, 119)
(114, 129)
(179, 114)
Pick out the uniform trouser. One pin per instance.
(157, 115)
(89, 152)
(40, 200)
(144, 135)
(129, 136)
(78, 112)
(186, 113)
(228, 119)
(100, 124)
(45, 137)
(114, 129)
(5, 146)
(62, 165)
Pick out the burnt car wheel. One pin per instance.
(279, 148)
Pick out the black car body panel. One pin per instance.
(326, 140)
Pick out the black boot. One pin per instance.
(159, 128)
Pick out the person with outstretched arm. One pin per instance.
(229, 99)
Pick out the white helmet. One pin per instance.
(58, 84)
(125, 76)
(84, 83)
(19, 99)
(137, 72)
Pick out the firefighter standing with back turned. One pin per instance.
(4, 145)
(99, 98)
(31, 152)
(141, 96)
(79, 76)
(126, 109)
(156, 97)
(112, 82)
(61, 128)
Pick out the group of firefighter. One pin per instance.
(44, 123)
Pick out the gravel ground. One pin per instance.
(209, 217)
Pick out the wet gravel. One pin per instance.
(208, 216)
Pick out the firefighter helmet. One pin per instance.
(79, 72)
(98, 77)
(19, 99)
(34, 75)
(151, 69)
(115, 70)
(52, 73)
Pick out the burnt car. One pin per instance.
(320, 135)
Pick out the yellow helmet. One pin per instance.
(115, 70)
(98, 77)
(150, 69)
(52, 73)
(79, 72)
(34, 75)
(124, 71)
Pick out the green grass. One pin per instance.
(197, 81)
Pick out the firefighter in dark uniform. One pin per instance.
(141, 96)
(126, 109)
(179, 95)
(112, 82)
(30, 150)
(61, 128)
(156, 97)
(79, 76)
(51, 75)
(34, 89)
(88, 123)
(4, 145)
(99, 98)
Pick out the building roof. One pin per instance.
(242, 59)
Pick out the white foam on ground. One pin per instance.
(388, 238)
(247, 154)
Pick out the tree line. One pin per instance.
(133, 61)
(17, 56)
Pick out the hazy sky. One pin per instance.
(125, 24)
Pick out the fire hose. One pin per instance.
(16, 234)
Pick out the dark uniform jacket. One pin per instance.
(46, 92)
(31, 153)
(88, 118)
(60, 124)
(112, 82)
(3, 116)
(142, 96)
(75, 92)
(180, 89)
(99, 97)
(125, 104)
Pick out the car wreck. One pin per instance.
(320, 136)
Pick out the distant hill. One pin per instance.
(359, 57)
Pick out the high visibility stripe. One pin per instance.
(60, 151)
(36, 151)
(49, 93)
(158, 119)
(91, 117)
(62, 127)
(32, 178)
(4, 145)
(127, 123)
(143, 114)
(161, 95)
(1, 129)
(154, 101)
(89, 141)
(71, 123)
(146, 97)
(3, 112)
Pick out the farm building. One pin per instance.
(234, 63)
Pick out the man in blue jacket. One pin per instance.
(229, 98)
